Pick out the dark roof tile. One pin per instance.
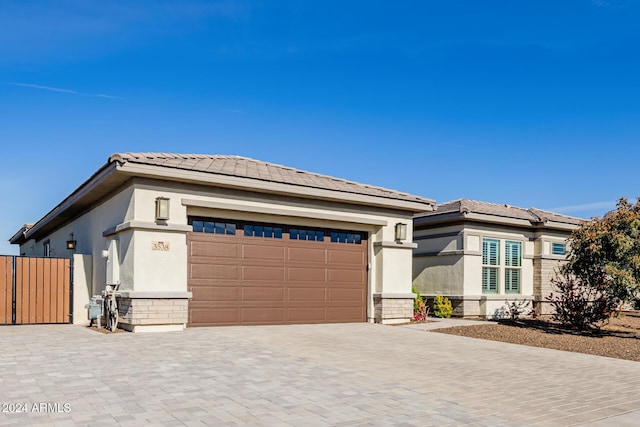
(244, 167)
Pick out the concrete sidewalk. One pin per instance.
(438, 323)
(311, 375)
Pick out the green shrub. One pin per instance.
(420, 311)
(416, 304)
(442, 306)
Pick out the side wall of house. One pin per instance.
(89, 265)
(448, 262)
(546, 265)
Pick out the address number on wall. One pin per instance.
(160, 246)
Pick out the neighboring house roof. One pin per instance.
(497, 213)
(217, 171)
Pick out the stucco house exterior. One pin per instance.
(480, 255)
(198, 240)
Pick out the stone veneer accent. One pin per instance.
(135, 313)
(463, 307)
(544, 270)
(393, 308)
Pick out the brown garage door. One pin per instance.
(254, 274)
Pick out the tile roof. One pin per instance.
(501, 210)
(244, 167)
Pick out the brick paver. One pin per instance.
(311, 375)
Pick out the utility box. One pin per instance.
(95, 309)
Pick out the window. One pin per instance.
(214, 227)
(274, 231)
(513, 264)
(490, 265)
(255, 230)
(558, 248)
(347, 237)
(493, 268)
(47, 248)
(304, 234)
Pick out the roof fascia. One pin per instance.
(438, 218)
(558, 226)
(19, 237)
(85, 188)
(251, 184)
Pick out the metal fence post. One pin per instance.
(13, 290)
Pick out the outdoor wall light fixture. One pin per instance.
(162, 209)
(401, 231)
(71, 244)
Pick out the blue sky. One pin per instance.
(531, 103)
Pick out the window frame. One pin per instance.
(319, 234)
(555, 245)
(46, 245)
(510, 269)
(489, 267)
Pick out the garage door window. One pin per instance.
(212, 227)
(353, 238)
(305, 234)
(262, 231)
(274, 231)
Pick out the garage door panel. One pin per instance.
(263, 294)
(215, 293)
(263, 273)
(262, 252)
(262, 315)
(212, 271)
(306, 315)
(219, 316)
(346, 314)
(309, 274)
(306, 294)
(346, 276)
(237, 279)
(307, 255)
(347, 257)
(218, 250)
(345, 295)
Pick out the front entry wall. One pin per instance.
(251, 274)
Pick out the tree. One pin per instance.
(602, 269)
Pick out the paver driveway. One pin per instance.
(347, 374)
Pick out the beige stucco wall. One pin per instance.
(473, 259)
(82, 287)
(389, 263)
(448, 261)
(128, 217)
(159, 270)
(439, 275)
(87, 231)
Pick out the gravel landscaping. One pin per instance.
(619, 339)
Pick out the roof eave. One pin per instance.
(19, 237)
(437, 218)
(555, 225)
(66, 208)
(252, 184)
(491, 219)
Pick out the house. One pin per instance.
(200, 240)
(480, 255)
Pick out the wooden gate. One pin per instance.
(34, 290)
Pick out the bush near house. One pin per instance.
(442, 306)
(420, 310)
(581, 305)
